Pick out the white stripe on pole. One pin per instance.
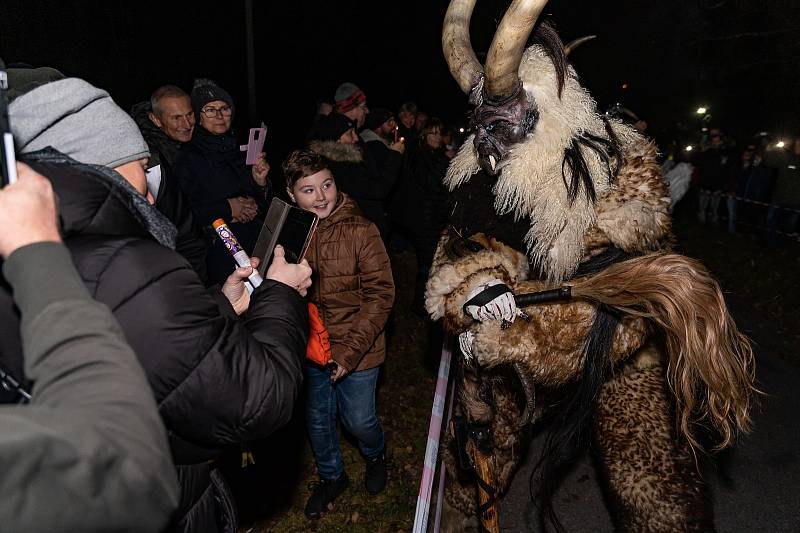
(432, 448)
(437, 521)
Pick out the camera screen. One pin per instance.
(295, 233)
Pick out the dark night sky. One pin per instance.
(739, 57)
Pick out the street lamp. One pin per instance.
(689, 148)
(701, 110)
(780, 144)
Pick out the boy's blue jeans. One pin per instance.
(353, 396)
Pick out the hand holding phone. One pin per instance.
(255, 144)
(297, 276)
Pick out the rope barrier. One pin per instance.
(795, 235)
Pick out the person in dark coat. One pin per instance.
(357, 173)
(218, 379)
(166, 122)
(211, 171)
(714, 168)
(89, 452)
(419, 207)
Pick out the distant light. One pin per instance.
(460, 130)
(624, 85)
(705, 129)
(689, 148)
(701, 110)
(780, 144)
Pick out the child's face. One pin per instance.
(315, 193)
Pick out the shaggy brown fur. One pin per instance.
(646, 456)
(550, 344)
(510, 443)
(651, 488)
(711, 367)
(335, 151)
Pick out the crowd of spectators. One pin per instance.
(201, 363)
(753, 186)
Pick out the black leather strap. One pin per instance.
(487, 295)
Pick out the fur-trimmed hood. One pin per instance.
(532, 182)
(339, 152)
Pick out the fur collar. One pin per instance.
(531, 183)
(339, 152)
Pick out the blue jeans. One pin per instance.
(354, 398)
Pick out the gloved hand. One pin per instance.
(465, 341)
(491, 301)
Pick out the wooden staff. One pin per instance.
(487, 503)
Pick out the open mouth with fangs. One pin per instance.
(489, 161)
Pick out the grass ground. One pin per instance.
(272, 493)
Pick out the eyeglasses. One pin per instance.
(211, 112)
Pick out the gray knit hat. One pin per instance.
(77, 119)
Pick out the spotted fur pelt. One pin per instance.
(657, 491)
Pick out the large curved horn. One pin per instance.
(505, 53)
(457, 47)
(569, 48)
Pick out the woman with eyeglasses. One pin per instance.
(212, 172)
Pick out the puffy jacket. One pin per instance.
(218, 379)
(353, 285)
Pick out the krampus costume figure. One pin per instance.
(631, 346)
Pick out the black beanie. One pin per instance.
(377, 117)
(24, 79)
(205, 91)
(331, 127)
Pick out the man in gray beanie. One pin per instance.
(83, 122)
(218, 380)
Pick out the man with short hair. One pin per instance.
(166, 122)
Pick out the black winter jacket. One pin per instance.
(170, 200)
(218, 379)
(211, 169)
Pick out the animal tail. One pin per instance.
(711, 368)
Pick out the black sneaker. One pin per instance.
(324, 494)
(375, 474)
